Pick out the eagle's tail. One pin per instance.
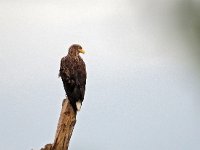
(78, 105)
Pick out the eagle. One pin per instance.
(73, 74)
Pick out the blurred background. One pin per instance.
(142, 61)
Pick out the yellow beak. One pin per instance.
(82, 51)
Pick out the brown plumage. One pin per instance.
(73, 74)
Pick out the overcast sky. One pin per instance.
(142, 87)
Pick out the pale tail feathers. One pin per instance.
(78, 105)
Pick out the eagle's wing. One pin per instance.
(73, 74)
(81, 71)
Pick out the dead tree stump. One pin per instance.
(65, 128)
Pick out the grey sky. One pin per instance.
(142, 88)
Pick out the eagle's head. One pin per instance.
(75, 49)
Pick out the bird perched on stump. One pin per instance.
(73, 75)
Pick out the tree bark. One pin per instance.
(65, 128)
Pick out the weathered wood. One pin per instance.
(65, 128)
